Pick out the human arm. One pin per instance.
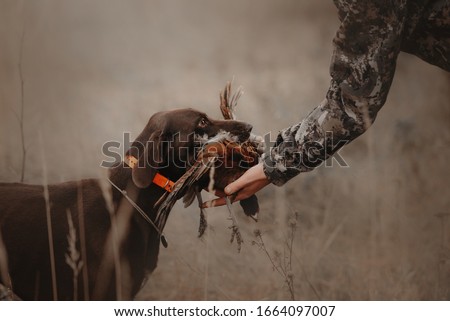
(366, 47)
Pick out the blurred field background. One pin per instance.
(92, 70)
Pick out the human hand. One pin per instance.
(245, 186)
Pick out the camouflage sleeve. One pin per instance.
(366, 47)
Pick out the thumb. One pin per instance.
(229, 189)
(234, 187)
(250, 176)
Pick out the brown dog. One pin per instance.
(108, 260)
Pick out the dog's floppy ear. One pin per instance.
(150, 157)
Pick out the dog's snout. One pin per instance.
(243, 131)
(240, 126)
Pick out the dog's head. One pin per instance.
(168, 142)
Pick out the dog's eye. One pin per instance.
(203, 123)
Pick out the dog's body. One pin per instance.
(115, 261)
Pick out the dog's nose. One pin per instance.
(248, 127)
(245, 131)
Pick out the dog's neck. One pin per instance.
(158, 180)
(146, 198)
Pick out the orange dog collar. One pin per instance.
(158, 180)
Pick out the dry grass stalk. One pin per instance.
(20, 118)
(4, 275)
(83, 241)
(49, 222)
(203, 225)
(113, 238)
(5, 281)
(282, 263)
(120, 224)
(73, 257)
(235, 232)
(22, 105)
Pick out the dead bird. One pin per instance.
(220, 160)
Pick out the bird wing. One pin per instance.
(184, 186)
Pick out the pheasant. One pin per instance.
(220, 161)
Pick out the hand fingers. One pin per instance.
(248, 184)
(250, 177)
(220, 193)
(220, 201)
(214, 203)
(235, 186)
(217, 192)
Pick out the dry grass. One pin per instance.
(120, 221)
(4, 274)
(82, 241)
(73, 256)
(281, 261)
(49, 223)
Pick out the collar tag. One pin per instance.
(158, 180)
